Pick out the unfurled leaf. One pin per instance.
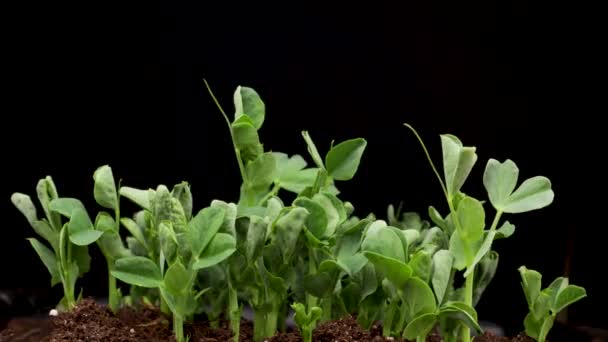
(462, 312)
(484, 273)
(312, 150)
(65, 206)
(48, 259)
(135, 230)
(534, 193)
(458, 161)
(80, 228)
(291, 173)
(247, 101)
(420, 326)
(394, 270)
(82, 259)
(507, 229)
(288, 229)
(531, 284)
(167, 240)
(25, 205)
(139, 271)
(256, 236)
(418, 298)
(46, 192)
(137, 196)
(105, 189)
(436, 218)
(246, 139)
(343, 160)
(500, 180)
(204, 227)
(183, 194)
(471, 217)
(422, 265)
(317, 220)
(43, 229)
(442, 264)
(568, 296)
(219, 249)
(261, 172)
(383, 241)
(177, 278)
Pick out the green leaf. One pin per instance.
(105, 223)
(82, 258)
(139, 271)
(471, 217)
(422, 265)
(317, 220)
(46, 192)
(483, 250)
(291, 173)
(534, 193)
(458, 161)
(110, 242)
(261, 171)
(219, 249)
(542, 305)
(104, 190)
(531, 284)
(394, 270)
(334, 209)
(167, 240)
(343, 160)
(418, 298)
(246, 139)
(420, 326)
(462, 312)
(460, 250)
(500, 180)
(256, 236)
(350, 241)
(140, 197)
(81, 230)
(48, 259)
(566, 297)
(383, 241)
(403, 237)
(247, 101)
(65, 205)
(312, 150)
(183, 194)
(484, 273)
(287, 230)
(43, 229)
(437, 219)
(545, 328)
(135, 230)
(203, 227)
(177, 278)
(167, 208)
(352, 264)
(507, 229)
(442, 265)
(532, 326)
(25, 205)
(319, 284)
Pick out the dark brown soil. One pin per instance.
(95, 323)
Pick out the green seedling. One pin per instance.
(306, 320)
(545, 304)
(68, 258)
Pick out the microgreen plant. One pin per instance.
(545, 304)
(68, 258)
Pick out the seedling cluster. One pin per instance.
(313, 254)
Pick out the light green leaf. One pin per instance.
(483, 250)
(46, 192)
(25, 205)
(353, 264)
(317, 220)
(542, 305)
(334, 211)
(167, 240)
(219, 249)
(247, 101)
(500, 180)
(261, 172)
(545, 328)
(291, 173)
(442, 265)
(532, 326)
(462, 312)
(534, 193)
(140, 197)
(139, 271)
(418, 298)
(80, 254)
(105, 223)
(507, 229)
(65, 206)
(458, 161)
(422, 265)
(437, 219)
(383, 241)
(81, 230)
(312, 149)
(471, 217)
(568, 296)
(394, 270)
(203, 227)
(104, 190)
(246, 139)
(256, 236)
(183, 194)
(420, 326)
(343, 160)
(531, 284)
(135, 230)
(43, 229)
(48, 258)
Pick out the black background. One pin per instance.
(123, 86)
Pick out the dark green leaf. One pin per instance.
(319, 284)
(422, 265)
(343, 160)
(317, 220)
(80, 254)
(247, 101)
(48, 258)
(177, 278)
(383, 241)
(139, 271)
(168, 241)
(104, 190)
(256, 236)
(287, 230)
(418, 298)
(204, 227)
(420, 326)
(219, 249)
(462, 312)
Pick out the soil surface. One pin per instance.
(95, 323)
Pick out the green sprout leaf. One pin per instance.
(568, 296)
(48, 259)
(204, 227)
(462, 312)
(140, 197)
(81, 230)
(442, 264)
(139, 271)
(105, 189)
(248, 102)
(65, 206)
(458, 161)
(531, 284)
(420, 326)
(25, 205)
(219, 249)
(471, 216)
(343, 160)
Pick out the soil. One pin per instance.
(95, 323)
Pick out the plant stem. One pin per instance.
(326, 304)
(420, 338)
(271, 321)
(178, 328)
(390, 315)
(234, 311)
(465, 333)
(275, 189)
(164, 307)
(113, 298)
(311, 300)
(307, 334)
(259, 325)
